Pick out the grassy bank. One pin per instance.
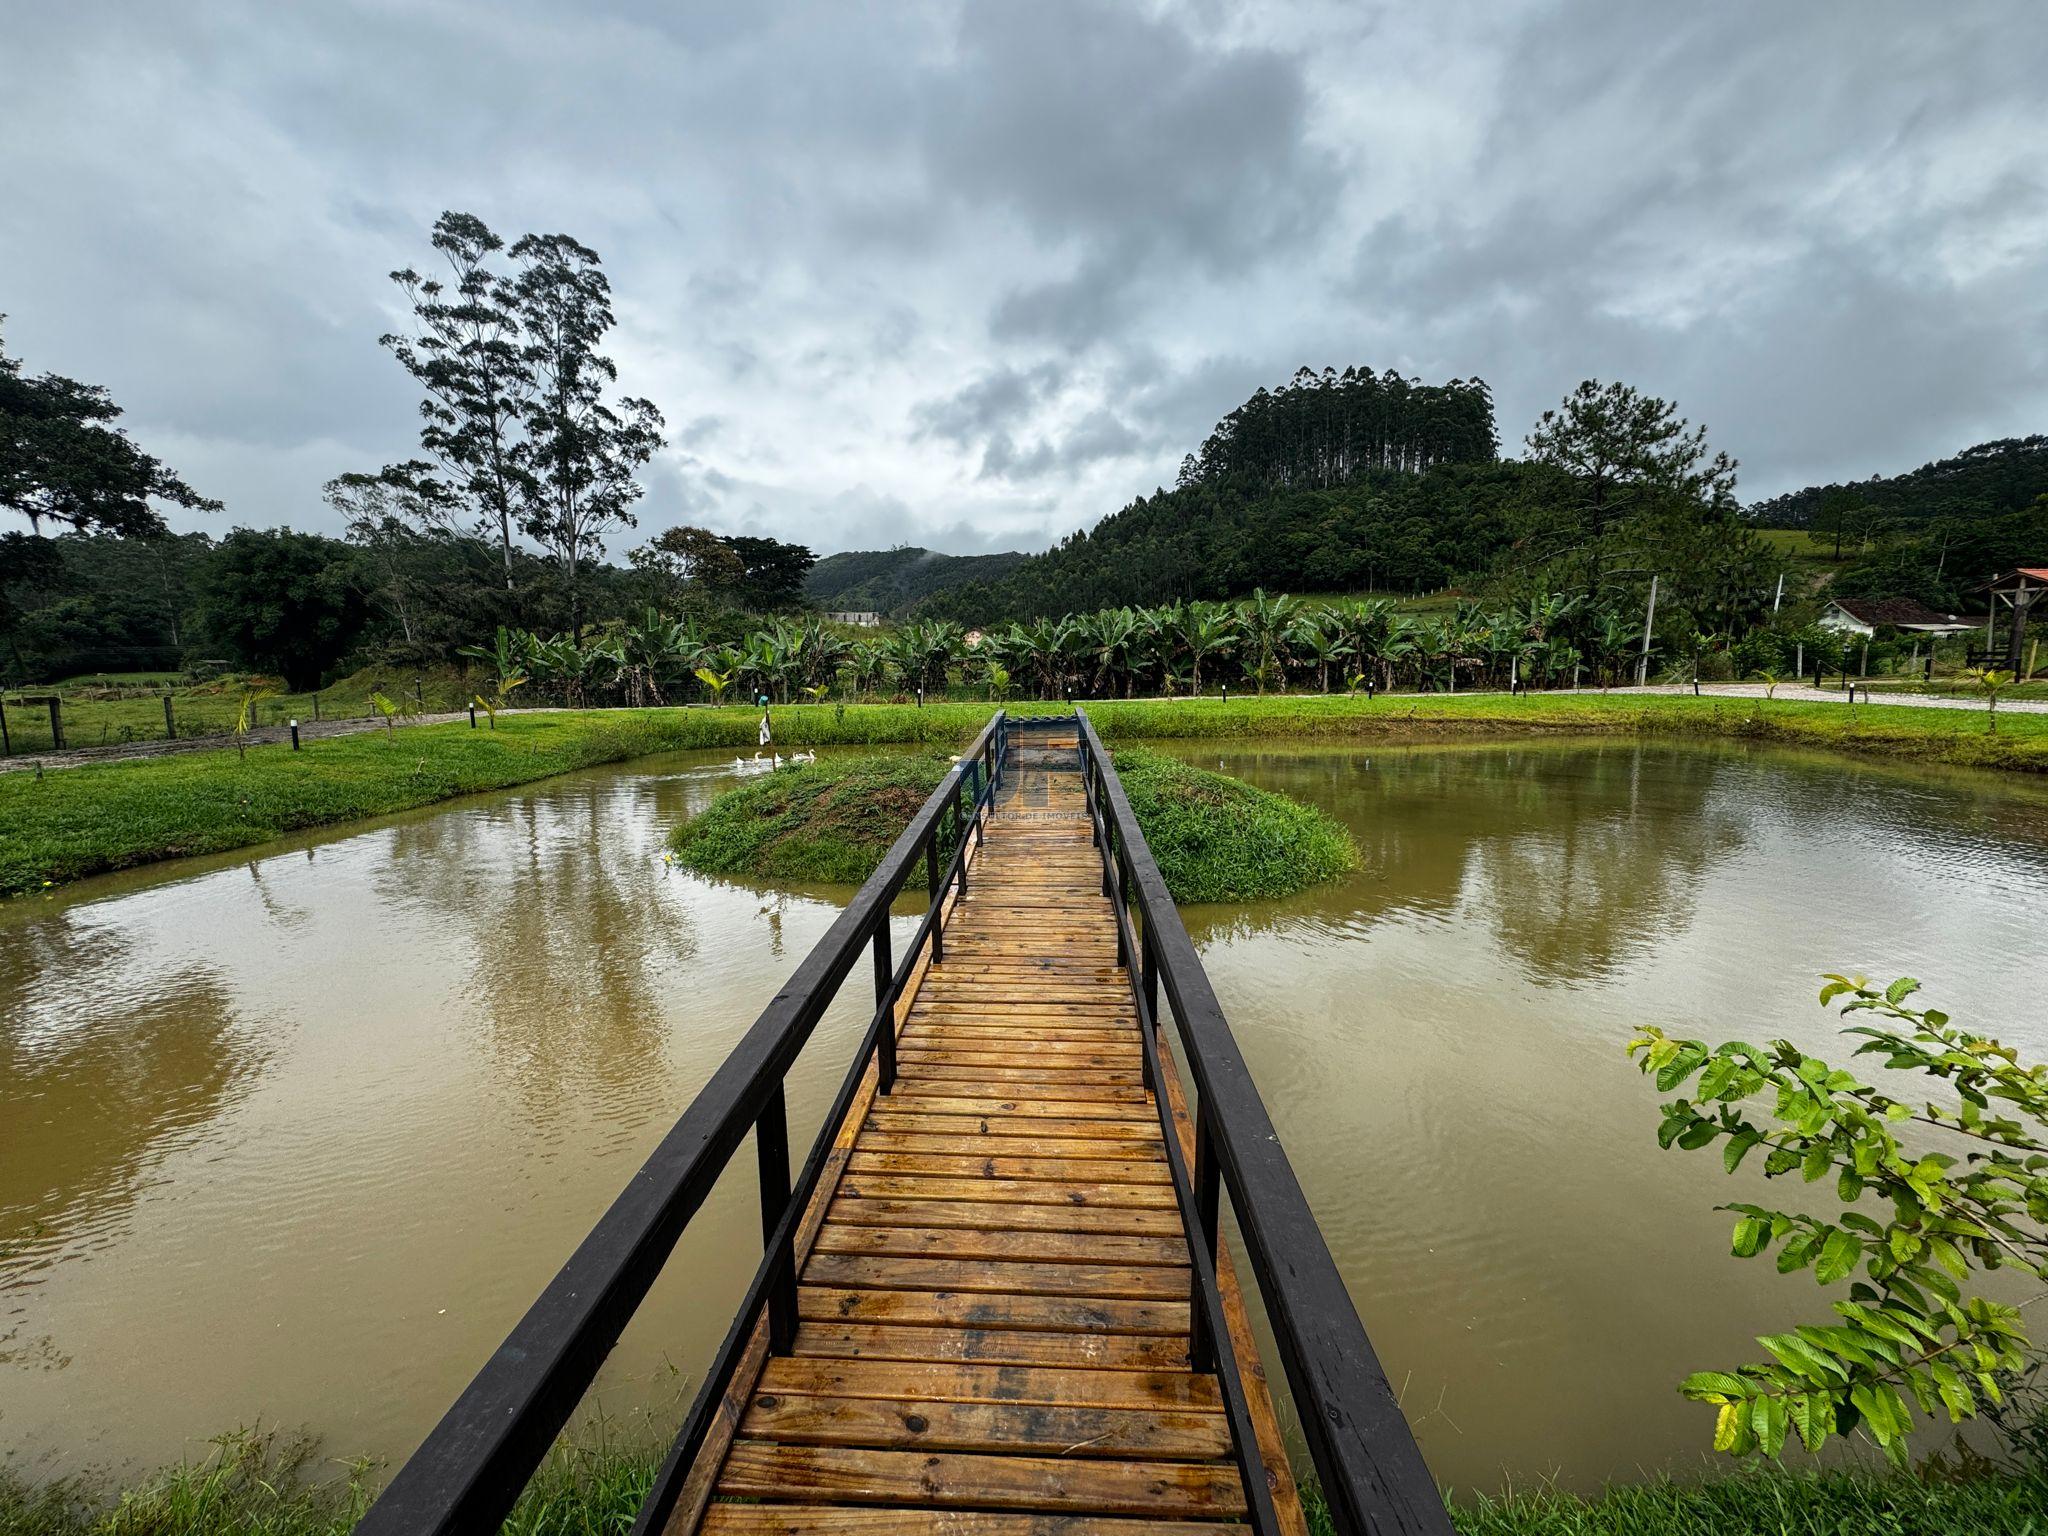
(829, 821)
(77, 821)
(1216, 838)
(1954, 736)
(252, 1485)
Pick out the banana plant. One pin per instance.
(716, 681)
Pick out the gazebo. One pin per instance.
(2017, 590)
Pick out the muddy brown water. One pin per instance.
(294, 1135)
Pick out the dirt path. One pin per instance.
(1805, 694)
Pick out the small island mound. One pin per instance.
(1216, 838)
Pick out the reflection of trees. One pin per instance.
(1616, 864)
(1578, 854)
(102, 1074)
(553, 900)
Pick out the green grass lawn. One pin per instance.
(252, 1485)
(1216, 838)
(112, 708)
(77, 821)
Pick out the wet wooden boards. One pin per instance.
(994, 1298)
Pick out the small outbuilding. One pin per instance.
(2017, 590)
(1867, 615)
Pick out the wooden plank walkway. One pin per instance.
(993, 1301)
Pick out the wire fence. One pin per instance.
(32, 721)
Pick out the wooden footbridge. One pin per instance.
(996, 1299)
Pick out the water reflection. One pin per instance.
(301, 1134)
(100, 1084)
(1575, 859)
(1439, 1039)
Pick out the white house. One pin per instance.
(1867, 615)
(860, 620)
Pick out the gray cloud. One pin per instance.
(973, 275)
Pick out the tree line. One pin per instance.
(528, 460)
(1263, 643)
(1325, 429)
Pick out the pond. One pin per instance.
(295, 1135)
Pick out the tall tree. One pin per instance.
(468, 355)
(686, 561)
(63, 462)
(582, 453)
(1623, 454)
(280, 602)
(772, 573)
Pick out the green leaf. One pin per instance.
(1900, 990)
(1738, 1148)
(1813, 1414)
(1704, 1385)
(1749, 1237)
(1819, 1159)
(1838, 1256)
(1803, 1359)
(1767, 1422)
(1731, 1427)
(1949, 1257)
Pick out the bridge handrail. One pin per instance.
(1365, 1455)
(472, 1467)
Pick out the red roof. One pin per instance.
(1894, 611)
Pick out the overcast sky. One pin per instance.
(973, 275)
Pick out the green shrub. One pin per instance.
(1219, 839)
(829, 821)
(1216, 839)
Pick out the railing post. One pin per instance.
(771, 1141)
(1207, 1193)
(931, 880)
(885, 997)
(1148, 985)
(960, 827)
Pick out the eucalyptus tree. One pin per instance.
(583, 452)
(468, 355)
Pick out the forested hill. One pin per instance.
(887, 580)
(1988, 480)
(1384, 530)
(1334, 481)
(1322, 430)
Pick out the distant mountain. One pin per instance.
(1988, 480)
(887, 580)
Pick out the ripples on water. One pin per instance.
(300, 1134)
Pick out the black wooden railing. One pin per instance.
(471, 1469)
(1371, 1470)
